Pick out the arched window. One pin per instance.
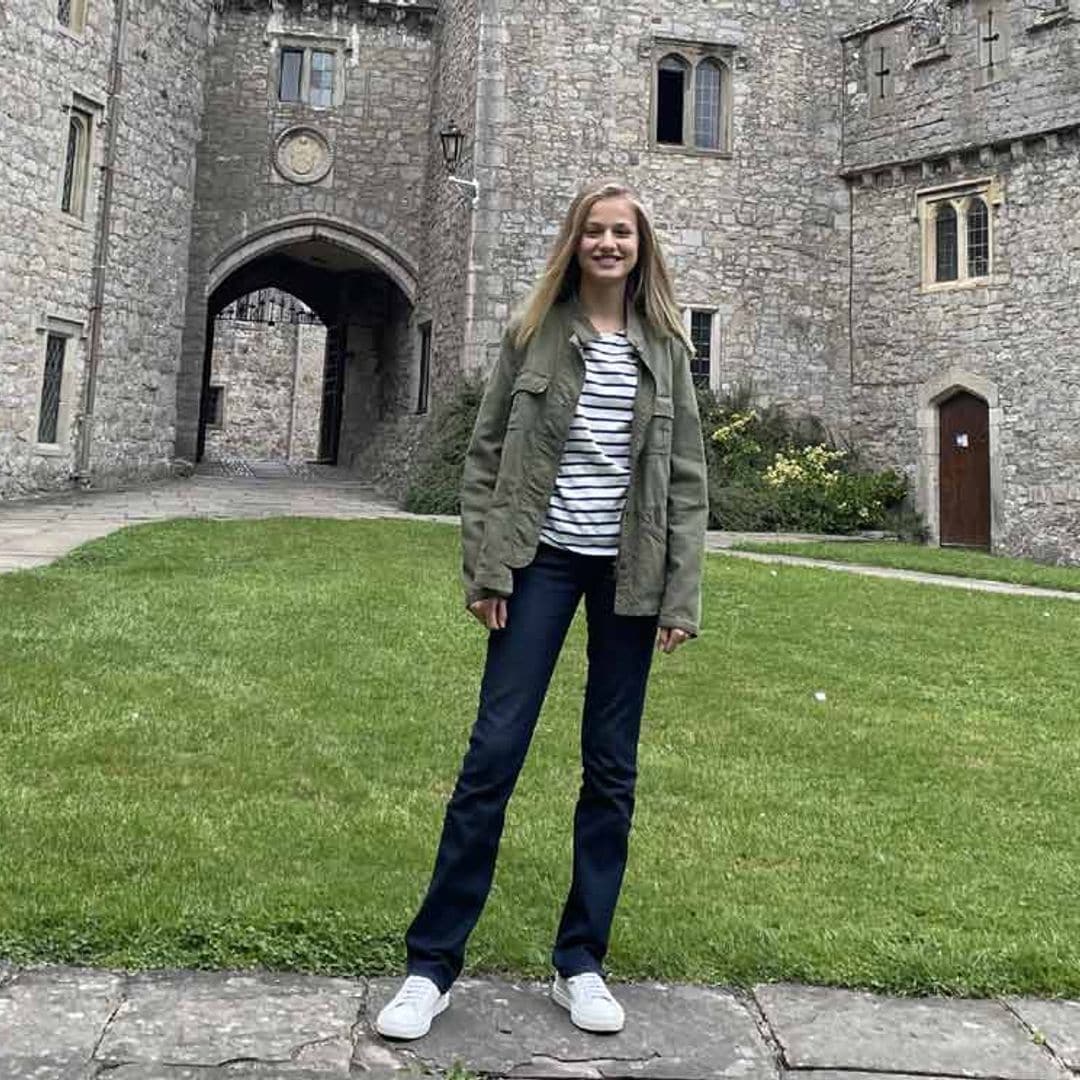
(946, 246)
(673, 80)
(978, 238)
(708, 105)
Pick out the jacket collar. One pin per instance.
(582, 331)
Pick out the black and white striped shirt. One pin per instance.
(585, 512)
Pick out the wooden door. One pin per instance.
(964, 473)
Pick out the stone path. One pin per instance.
(70, 1024)
(35, 532)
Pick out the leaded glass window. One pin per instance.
(707, 82)
(49, 416)
(978, 238)
(292, 65)
(946, 248)
(76, 163)
(71, 14)
(322, 79)
(701, 336)
(672, 79)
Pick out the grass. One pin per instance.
(229, 744)
(958, 562)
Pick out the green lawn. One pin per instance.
(930, 560)
(230, 743)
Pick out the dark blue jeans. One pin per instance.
(520, 660)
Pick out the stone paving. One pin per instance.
(70, 1024)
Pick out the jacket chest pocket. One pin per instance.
(527, 399)
(658, 435)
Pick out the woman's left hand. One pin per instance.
(669, 638)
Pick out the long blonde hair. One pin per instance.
(649, 287)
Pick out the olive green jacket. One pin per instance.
(514, 456)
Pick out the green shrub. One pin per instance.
(435, 485)
(770, 471)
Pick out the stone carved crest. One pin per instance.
(303, 155)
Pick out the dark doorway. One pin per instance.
(964, 471)
(332, 391)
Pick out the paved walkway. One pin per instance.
(34, 532)
(68, 1024)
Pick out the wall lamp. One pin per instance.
(453, 141)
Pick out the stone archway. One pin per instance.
(303, 229)
(362, 289)
(932, 395)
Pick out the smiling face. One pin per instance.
(608, 249)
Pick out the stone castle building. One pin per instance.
(871, 213)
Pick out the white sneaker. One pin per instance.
(592, 1008)
(409, 1013)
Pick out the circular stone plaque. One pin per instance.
(303, 155)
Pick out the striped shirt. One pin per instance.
(585, 512)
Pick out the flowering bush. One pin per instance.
(812, 466)
(735, 438)
(768, 471)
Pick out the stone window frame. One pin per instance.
(960, 197)
(881, 96)
(307, 44)
(693, 54)
(987, 74)
(82, 113)
(713, 311)
(71, 330)
(425, 332)
(76, 22)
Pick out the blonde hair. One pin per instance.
(648, 287)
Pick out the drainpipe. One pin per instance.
(101, 241)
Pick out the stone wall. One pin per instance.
(1008, 338)
(271, 380)
(942, 99)
(1017, 333)
(448, 274)
(760, 235)
(46, 264)
(372, 197)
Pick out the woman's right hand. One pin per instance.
(491, 611)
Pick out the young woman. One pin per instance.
(585, 477)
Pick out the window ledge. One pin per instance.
(77, 36)
(690, 151)
(49, 449)
(959, 286)
(72, 221)
(931, 55)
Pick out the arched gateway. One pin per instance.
(361, 288)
